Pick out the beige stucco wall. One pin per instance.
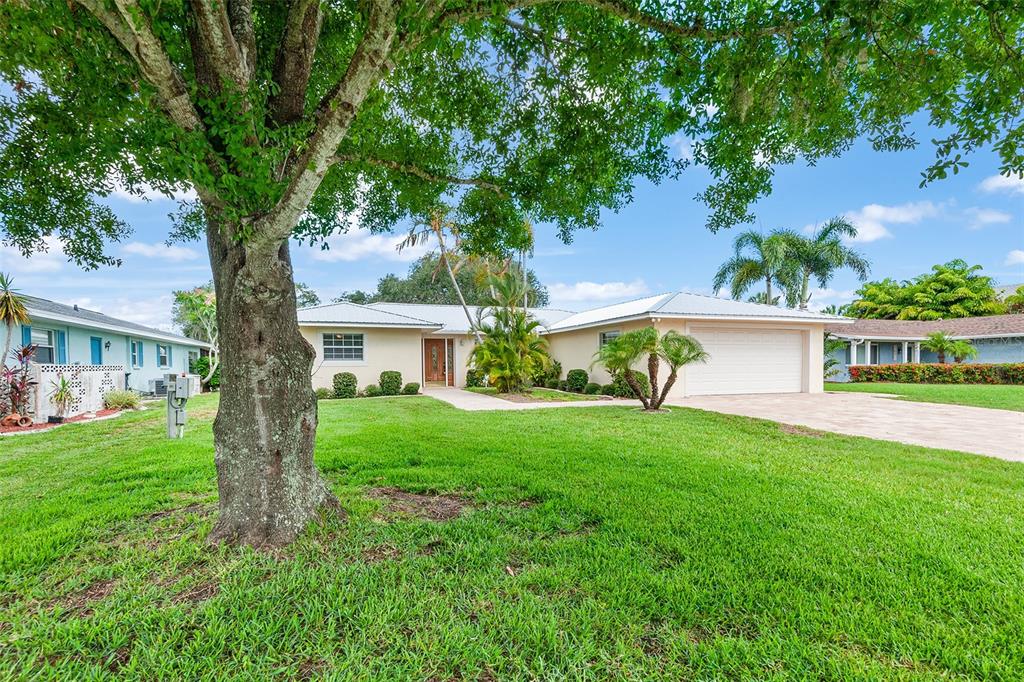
(383, 349)
(575, 349)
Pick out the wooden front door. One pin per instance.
(434, 360)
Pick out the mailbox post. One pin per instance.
(180, 387)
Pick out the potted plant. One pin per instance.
(61, 396)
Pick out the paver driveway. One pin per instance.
(997, 433)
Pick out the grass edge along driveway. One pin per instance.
(593, 544)
(994, 396)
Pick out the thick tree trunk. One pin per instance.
(269, 488)
(669, 383)
(652, 374)
(635, 385)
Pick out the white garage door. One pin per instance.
(755, 361)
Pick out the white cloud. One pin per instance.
(145, 192)
(596, 291)
(980, 217)
(161, 251)
(361, 244)
(1011, 184)
(48, 261)
(682, 146)
(150, 311)
(1015, 257)
(872, 221)
(827, 296)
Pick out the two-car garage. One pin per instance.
(747, 361)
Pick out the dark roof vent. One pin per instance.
(76, 307)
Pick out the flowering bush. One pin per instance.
(974, 373)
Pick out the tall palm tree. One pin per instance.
(821, 255)
(757, 258)
(12, 311)
(512, 348)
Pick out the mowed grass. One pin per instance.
(1000, 397)
(601, 543)
(538, 394)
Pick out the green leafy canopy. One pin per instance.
(288, 119)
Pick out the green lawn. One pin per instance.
(603, 543)
(979, 395)
(537, 394)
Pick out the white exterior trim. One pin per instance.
(127, 331)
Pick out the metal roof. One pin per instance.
(352, 314)
(44, 309)
(452, 318)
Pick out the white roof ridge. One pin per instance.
(367, 307)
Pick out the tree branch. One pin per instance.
(217, 41)
(422, 173)
(240, 15)
(294, 61)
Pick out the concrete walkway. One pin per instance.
(475, 402)
(996, 433)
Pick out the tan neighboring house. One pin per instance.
(754, 348)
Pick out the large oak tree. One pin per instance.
(288, 118)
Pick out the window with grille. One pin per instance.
(343, 346)
(608, 337)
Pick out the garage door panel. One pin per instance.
(761, 361)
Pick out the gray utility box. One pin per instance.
(180, 387)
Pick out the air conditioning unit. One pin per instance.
(158, 387)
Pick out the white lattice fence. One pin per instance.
(89, 383)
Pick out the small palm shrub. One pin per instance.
(474, 378)
(372, 391)
(412, 388)
(345, 385)
(324, 393)
(390, 382)
(576, 380)
(672, 348)
(592, 388)
(121, 400)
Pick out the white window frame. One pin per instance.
(133, 349)
(52, 345)
(361, 360)
(163, 355)
(603, 340)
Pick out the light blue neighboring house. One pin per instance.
(70, 335)
(998, 338)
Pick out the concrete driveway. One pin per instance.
(996, 433)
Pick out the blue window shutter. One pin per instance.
(170, 355)
(62, 348)
(142, 360)
(26, 335)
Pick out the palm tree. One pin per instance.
(821, 255)
(12, 312)
(940, 344)
(674, 349)
(757, 258)
(511, 350)
(963, 350)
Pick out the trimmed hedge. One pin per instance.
(411, 388)
(474, 378)
(576, 380)
(390, 382)
(932, 373)
(324, 393)
(551, 383)
(592, 388)
(620, 389)
(608, 389)
(372, 391)
(345, 384)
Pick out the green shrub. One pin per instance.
(608, 389)
(562, 385)
(345, 384)
(121, 400)
(372, 391)
(474, 378)
(921, 373)
(543, 375)
(412, 388)
(390, 382)
(621, 389)
(576, 380)
(201, 367)
(324, 393)
(551, 383)
(592, 388)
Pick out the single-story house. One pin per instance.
(997, 338)
(754, 348)
(73, 336)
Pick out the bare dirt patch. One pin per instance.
(378, 553)
(198, 593)
(81, 602)
(795, 430)
(433, 507)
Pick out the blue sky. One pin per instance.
(656, 244)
